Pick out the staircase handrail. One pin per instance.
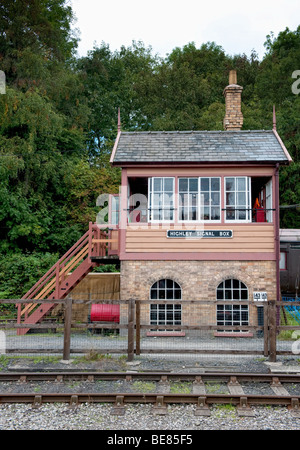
(52, 271)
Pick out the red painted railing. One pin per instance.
(63, 276)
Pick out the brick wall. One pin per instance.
(198, 281)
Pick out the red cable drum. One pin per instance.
(105, 313)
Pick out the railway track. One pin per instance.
(158, 388)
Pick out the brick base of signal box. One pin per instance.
(198, 281)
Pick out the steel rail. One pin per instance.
(120, 400)
(148, 376)
(134, 397)
(199, 396)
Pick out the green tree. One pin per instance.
(111, 81)
(42, 121)
(274, 86)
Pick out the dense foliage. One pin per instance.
(58, 122)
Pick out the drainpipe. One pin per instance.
(277, 227)
(272, 309)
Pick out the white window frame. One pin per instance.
(188, 205)
(151, 201)
(269, 201)
(210, 200)
(234, 288)
(248, 210)
(200, 203)
(168, 310)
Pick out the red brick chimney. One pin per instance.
(233, 120)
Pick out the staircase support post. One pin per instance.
(67, 329)
(90, 239)
(57, 281)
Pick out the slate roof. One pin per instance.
(199, 147)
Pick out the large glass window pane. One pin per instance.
(241, 184)
(157, 200)
(161, 199)
(241, 215)
(215, 184)
(157, 184)
(183, 184)
(210, 198)
(237, 198)
(204, 184)
(193, 184)
(205, 198)
(215, 198)
(188, 199)
(168, 184)
(208, 202)
(241, 198)
(230, 198)
(193, 213)
(215, 213)
(230, 184)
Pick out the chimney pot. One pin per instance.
(232, 77)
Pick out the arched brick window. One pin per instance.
(165, 313)
(232, 290)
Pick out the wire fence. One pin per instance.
(136, 327)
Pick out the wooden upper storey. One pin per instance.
(200, 213)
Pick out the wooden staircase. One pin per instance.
(69, 270)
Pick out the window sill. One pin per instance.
(233, 334)
(166, 333)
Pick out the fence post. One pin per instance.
(67, 328)
(131, 329)
(138, 327)
(272, 330)
(266, 329)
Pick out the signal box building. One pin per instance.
(197, 218)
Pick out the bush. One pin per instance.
(19, 272)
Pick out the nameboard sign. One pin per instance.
(199, 234)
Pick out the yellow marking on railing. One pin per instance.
(97, 241)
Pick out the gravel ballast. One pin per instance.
(140, 417)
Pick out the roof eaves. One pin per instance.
(289, 158)
(115, 147)
(219, 163)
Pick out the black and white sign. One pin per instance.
(199, 234)
(260, 296)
